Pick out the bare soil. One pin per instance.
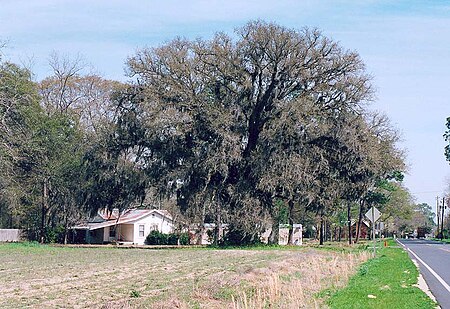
(58, 277)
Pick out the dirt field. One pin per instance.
(49, 277)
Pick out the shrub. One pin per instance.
(238, 237)
(54, 234)
(158, 238)
(172, 239)
(184, 239)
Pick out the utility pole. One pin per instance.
(438, 216)
(442, 219)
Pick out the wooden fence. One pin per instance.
(10, 235)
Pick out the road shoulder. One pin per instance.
(421, 283)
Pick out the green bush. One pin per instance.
(54, 234)
(172, 239)
(184, 239)
(237, 237)
(158, 238)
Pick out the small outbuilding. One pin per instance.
(297, 234)
(364, 231)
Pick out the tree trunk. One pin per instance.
(10, 222)
(291, 224)
(255, 121)
(218, 227)
(321, 230)
(340, 233)
(349, 222)
(275, 233)
(328, 230)
(65, 235)
(361, 209)
(44, 210)
(66, 223)
(202, 226)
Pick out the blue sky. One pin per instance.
(405, 45)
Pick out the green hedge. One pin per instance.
(158, 238)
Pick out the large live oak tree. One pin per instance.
(209, 109)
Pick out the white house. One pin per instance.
(131, 227)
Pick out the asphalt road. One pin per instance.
(434, 262)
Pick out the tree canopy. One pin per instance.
(252, 129)
(447, 139)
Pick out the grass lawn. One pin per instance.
(445, 241)
(38, 276)
(387, 281)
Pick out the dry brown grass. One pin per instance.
(46, 277)
(294, 282)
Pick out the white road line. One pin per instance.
(422, 284)
(446, 286)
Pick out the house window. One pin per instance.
(154, 227)
(141, 230)
(112, 232)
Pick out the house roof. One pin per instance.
(129, 216)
